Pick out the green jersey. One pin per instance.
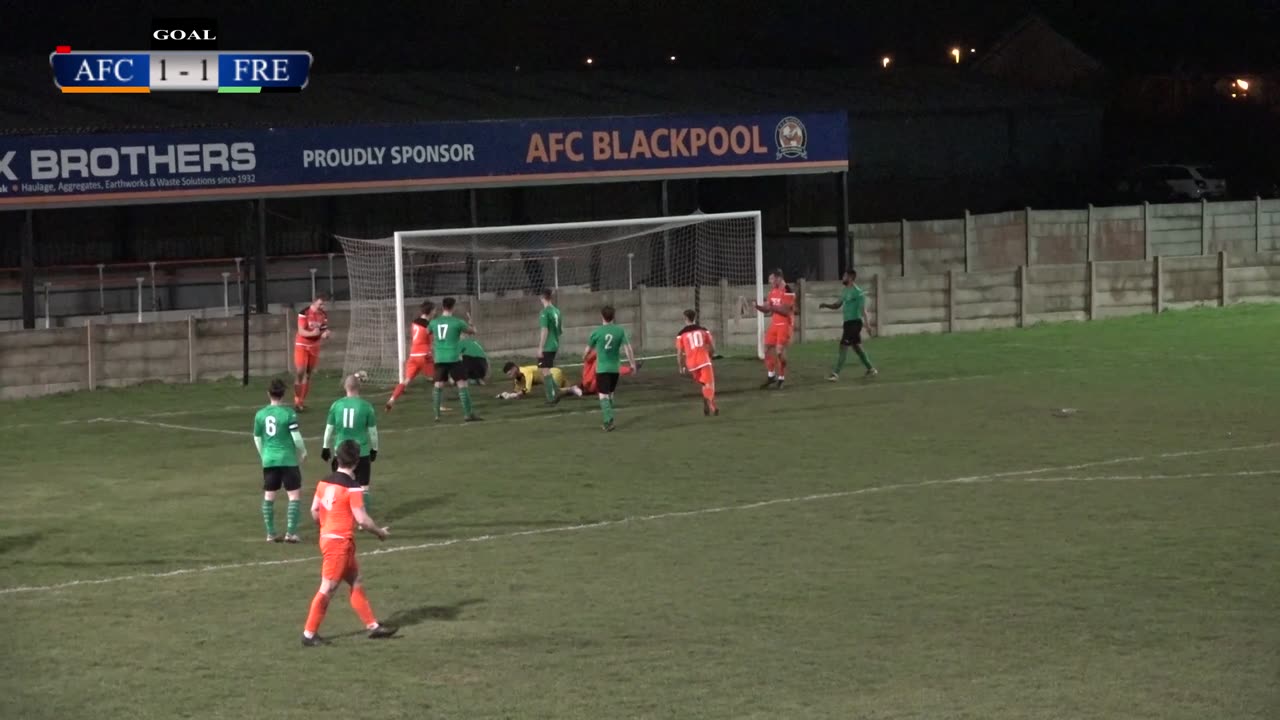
(607, 341)
(470, 347)
(854, 301)
(446, 334)
(550, 320)
(351, 418)
(275, 425)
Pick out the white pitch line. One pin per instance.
(1012, 476)
(141, 419)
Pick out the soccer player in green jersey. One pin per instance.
(609, 341)
(854, 302)
(353, 418)
(548, 344)
(446, 333)
(474, 360)
(280, 445)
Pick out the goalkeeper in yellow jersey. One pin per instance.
(525, 377)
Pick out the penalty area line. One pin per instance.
(1035, 475)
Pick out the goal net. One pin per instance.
(649, 269)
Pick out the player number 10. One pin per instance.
(695, 339)
(204, 71)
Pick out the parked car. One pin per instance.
(1174, 183)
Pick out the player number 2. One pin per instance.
(348, 418)
(608, 342)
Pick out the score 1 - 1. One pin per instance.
(184, 71)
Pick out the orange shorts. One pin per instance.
(776, 335)
(338, 559)
(415, 366)
(704, 375)
(305, 358)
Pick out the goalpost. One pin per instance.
(649, 269)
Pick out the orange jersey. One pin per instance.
(311, 320)
(336, 500)
(777, 298)
(421, 339)
(695, 342)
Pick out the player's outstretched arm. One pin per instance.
(832, 306)
(327, 443)
(631, 357)
(367, 524)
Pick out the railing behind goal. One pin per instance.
(649, 269)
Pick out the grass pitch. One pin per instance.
(940, 542)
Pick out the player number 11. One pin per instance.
(204, 70)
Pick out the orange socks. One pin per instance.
(319, 605)
(710, 394)
(360, 603)
(782, 367)
(397, 392)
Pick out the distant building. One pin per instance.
(1033, 55)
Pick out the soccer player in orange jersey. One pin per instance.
(780, 306)
(313, 329)
(588, 386)
(420, 359)
(338, 508)
(694, 350)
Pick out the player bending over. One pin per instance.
(280, 445)
(338, 508)
(694, 350)
(313, 329)
(779, 305)
(549, 328)
(854, 302)
(352, 418)
(474, 360)
(419, 362)
(526, 377)
(608, 341)
(446, 335)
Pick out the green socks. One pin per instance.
(841, 359)
(269, 516)
(437, 395)
(549, 387)
(295, 510)
(464, 394)
(862, 355)
(606, 410)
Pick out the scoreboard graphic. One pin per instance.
(147, 71)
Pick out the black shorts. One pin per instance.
(364, 470)
(606, 383)
(852, 333)
(450, 371)
(274, 478)
(547, 359)
(477, 368)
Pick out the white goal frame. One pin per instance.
(400, 236)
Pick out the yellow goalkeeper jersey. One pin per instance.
(531, 375)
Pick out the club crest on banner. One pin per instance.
(792, 138)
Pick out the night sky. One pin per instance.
(489, 34)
